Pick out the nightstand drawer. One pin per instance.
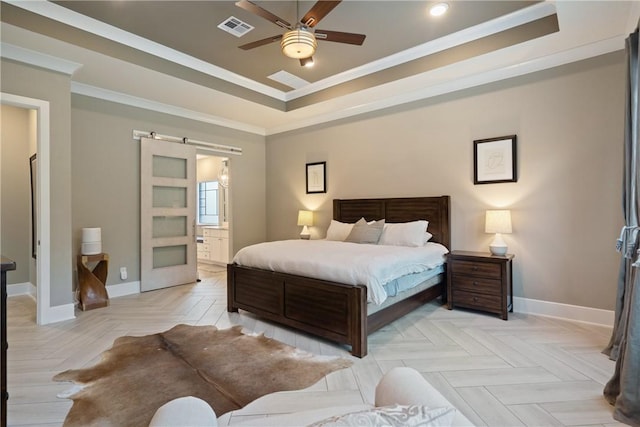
(478, 284)
(483, 269)
(480, 281)
(476, 300)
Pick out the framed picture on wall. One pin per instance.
(316, 177)
(494, 160)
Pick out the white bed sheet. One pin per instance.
(410, 281)
(343, 262)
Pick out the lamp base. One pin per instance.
(498, 250)
(305, 234)
(498, 246)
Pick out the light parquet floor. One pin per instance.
(527, 371)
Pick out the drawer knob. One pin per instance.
(475, 299)
(475, 267)
(475, 283)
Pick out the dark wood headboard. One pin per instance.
(404, 209)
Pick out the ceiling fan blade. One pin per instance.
(262, 42)
(257, 10)
(318, 11)
(340, 37)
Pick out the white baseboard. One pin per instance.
(521, 305)
(26, 288)
(55, 314)
(58, 313)
(117, 290)
(123, 289)
(67, 311)
(564, 311)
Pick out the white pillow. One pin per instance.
(427, 237)
(405, 234)
(338, 230)
(189, 410)
(393, 416)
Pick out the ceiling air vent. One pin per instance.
(235, 26)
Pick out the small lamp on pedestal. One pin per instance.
(305, 219)
(498, 222)
(91, 241)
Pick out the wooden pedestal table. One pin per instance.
(91, 283)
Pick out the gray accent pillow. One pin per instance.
(366, 233)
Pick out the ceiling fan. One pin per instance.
(300, 41)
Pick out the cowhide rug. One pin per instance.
(224, 367)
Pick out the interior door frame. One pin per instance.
(44, 312)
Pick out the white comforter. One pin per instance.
(343, 262)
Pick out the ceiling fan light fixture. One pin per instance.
(298, 43)
(439, 9)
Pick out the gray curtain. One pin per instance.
(623, 389)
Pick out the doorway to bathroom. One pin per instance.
(213, 216)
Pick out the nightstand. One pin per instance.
(480, 281)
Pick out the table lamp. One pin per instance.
(305, 218)
(498, 222)
(91, 241)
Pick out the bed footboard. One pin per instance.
(330, 310)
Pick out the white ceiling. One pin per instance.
(586, 29)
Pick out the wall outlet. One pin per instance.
(123, 273)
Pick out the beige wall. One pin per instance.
(55, 88)
(95, 173)
(15, 190)
(565, 205)
(105, 177)
(208, 168)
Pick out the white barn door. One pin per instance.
(167, 214)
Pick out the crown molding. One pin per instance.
(458, 38)
(66, 16)
(38, 59)
(427, 91)
(430, 90)
(372, 101)
(134, 101)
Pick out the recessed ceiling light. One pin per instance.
(439, 9)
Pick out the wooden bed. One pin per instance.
(331, 310)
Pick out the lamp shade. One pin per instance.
(498, 221)
(305, 218)
(91, 241)
(298, 43)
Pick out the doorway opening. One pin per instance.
(44, 312)
(213, 216)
